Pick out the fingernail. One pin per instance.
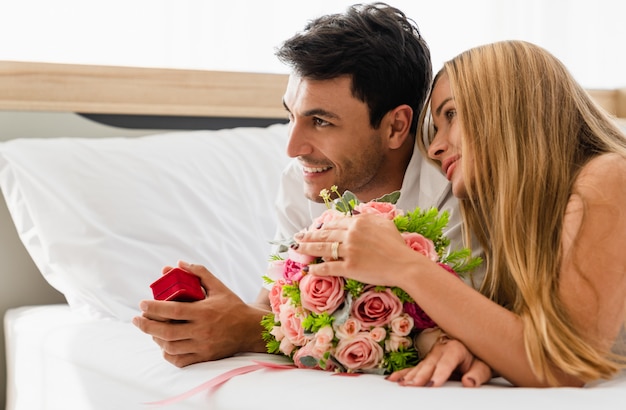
(471, 381)
(430, 384)
(183, 264)
(355, 212)
(298, 236)
(319, 225)
(294, 246)
(305, 268)
(143, 306)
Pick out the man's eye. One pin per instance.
(320, 122)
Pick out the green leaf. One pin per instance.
(346, 203)
(354, 287)
(403, 358)
(392, 197)
(292, 292)
(309, 361)
(314, 322)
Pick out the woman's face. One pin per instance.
(446, 145)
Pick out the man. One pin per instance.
(358, 83)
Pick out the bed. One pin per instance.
(110, 173)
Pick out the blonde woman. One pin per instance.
(540, 172)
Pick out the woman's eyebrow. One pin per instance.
(440, 107)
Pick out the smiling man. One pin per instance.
(358, 83)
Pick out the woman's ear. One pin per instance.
(400, 125)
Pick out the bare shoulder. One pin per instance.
(603, 177)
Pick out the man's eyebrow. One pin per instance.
(315, 112)
(319, 112)
(440, 107)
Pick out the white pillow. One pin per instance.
(101, 217)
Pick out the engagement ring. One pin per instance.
(334, 249)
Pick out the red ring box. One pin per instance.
(178, 285)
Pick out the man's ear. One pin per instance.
(399, 125)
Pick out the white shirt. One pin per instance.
(423, 185)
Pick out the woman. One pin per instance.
(540, 172)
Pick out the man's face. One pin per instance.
(330, 134)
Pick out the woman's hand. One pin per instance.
(370, 250)
(447, 358)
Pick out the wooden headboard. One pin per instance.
(141, 91)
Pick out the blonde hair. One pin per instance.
(529, 128)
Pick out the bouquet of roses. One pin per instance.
(343, 325)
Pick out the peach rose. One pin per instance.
(395, 341)
(402, 325)
(348, 329)
(375, 308)
(384, 209)
(421, 244)
(321, 293)
(378, 334)
(359, 352)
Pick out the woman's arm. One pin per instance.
(592, 275)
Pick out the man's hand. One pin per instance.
(219, 326)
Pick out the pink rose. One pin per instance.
(276, 296)
(291, 324)
(374, 308)
(323, 341)
(384, 209)
(292, 271)
(321, 293)
(277, 333)
(359, 352)
(308, 350)
(298, 257)
(421, 319)
(327, 216)
(286, 347)
(402, 325)
(275, 269)
(348, 329)
(421, 244)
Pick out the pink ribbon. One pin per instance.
(221, 379)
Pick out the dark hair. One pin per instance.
(377, 45)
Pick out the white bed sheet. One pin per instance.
(59, 360)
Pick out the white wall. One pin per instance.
(588, 35)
